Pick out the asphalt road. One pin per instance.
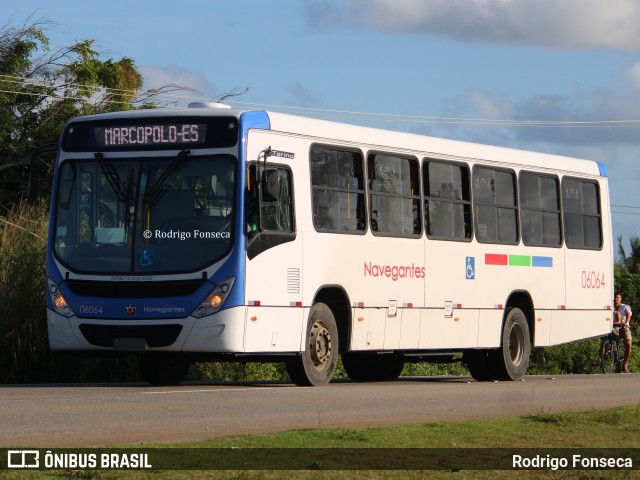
(102, 415)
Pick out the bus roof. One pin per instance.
(375, 138)
(430, 146)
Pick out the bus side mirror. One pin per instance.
(271, 186)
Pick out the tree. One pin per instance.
(630, 261)
(627, 274)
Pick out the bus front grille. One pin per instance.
(154, 335)
(182, 288)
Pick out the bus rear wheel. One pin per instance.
(163, 368)
(317, 363)
(372, 367)
(511, 360)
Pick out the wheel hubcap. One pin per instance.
(320, 345)
(516, 344)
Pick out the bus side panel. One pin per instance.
(572, 325)
(368, 329)
(542, 327)
(378, 274)
(589, 287)
(274, 299)
(439, 330)
(452, 296)
(274, 329)
(410, 330)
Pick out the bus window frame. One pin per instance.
(370, 193)
(364, 189)
(559, 191)
(516, 206)
(599, 216)
(264, 240)
(425, 223)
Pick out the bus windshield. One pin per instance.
(145, 215)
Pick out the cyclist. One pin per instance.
(622, 329)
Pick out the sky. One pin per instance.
(422, 61)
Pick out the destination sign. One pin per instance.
(148, 134)
(166, 134)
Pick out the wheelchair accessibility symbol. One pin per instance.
(146, 257)
(471, 268)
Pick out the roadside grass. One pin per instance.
(614, 428)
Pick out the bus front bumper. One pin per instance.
(222, 332)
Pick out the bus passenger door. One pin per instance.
(275, 315)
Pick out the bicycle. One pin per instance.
(612, 353)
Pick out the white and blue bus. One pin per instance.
(214, 234)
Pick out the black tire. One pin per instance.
(317, 363)
(372, 367)
(511, 360)
(608, 360)
(162, 368)
(480, 364)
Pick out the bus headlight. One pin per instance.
(60, 305)
(214, 301)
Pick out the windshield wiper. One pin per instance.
(160, 187)
(112, 177)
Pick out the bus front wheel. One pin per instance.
(317, 363)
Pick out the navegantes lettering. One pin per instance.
(393, 272)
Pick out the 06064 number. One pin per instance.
(90, 309)
(592, 279)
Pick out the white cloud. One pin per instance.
(633, 76)
(157, 76)
(601, 105)
(612, 113)
(490, 107)
(547, 23)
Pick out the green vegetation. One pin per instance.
(543, 429)
(615, 428)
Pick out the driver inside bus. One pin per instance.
(252, 214)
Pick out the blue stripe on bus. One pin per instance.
(542, 262)
(234, 266)
(602, 168)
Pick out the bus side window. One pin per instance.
(495, 206)
(269, 208)
(394, 195)
(540, 210)
(337, 186)
(581, 211)
(277, 211)
(447, 200)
